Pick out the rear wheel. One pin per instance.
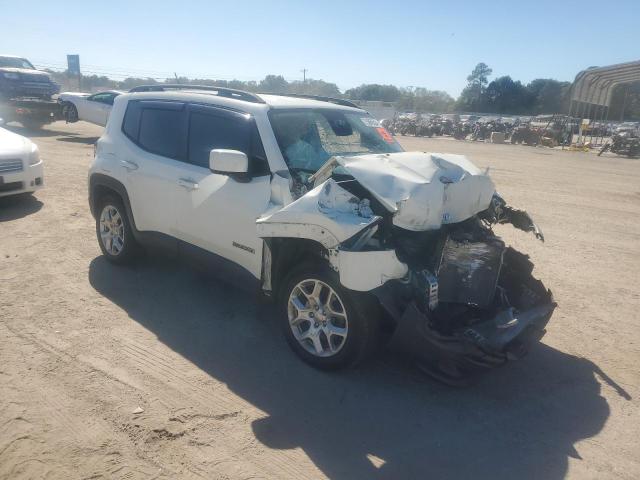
(113, 230)
(70, 112)
(328, 326)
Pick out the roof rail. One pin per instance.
(321, 98)
(221, 91)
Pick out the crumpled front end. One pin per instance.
(415, 229)
(488, 308)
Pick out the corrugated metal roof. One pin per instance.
(595, 85)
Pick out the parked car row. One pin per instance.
(27, 96)
(552, 132)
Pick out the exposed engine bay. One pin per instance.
(416, 230)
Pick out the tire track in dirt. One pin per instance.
(174, 372)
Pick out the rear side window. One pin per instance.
(131, 124)
(157, 127)
(161, 131)
(208, 131)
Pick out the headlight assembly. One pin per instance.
(34, 156)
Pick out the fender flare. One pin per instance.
(100, 180)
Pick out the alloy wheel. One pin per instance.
(111, 230)
(318, 318)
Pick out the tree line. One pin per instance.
(502, 95)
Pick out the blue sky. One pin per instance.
(406, 43)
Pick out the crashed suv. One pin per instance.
(315, 204)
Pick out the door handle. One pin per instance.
(129, 165)
(188, 183)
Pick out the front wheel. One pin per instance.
(326, 325)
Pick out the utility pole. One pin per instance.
(304, 75)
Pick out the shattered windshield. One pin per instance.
(12, 62)
(309, 137)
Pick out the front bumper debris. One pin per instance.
(486, 344)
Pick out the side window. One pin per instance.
(161, 131)
(101, 98)
(209, 131)
(131, 123)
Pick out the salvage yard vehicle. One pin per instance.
(315, 204)
(523, 133)
(25, 93)
(624, 143)
(21, 169)
(93, 108)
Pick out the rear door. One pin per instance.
(217, 212)
(154, 161)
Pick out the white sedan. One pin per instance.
(93, 108)
(20, 165)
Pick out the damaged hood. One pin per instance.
(423, 190)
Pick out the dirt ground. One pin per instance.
(85, 345)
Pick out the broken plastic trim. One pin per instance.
(500, 212)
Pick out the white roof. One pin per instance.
(283, 101)
(271, 100)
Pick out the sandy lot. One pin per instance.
(84, 345)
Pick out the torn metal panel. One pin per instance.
(327, 214)
(364, 271)
(423, 190)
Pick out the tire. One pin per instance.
(113, 223)
(70, 112)
(355, 314)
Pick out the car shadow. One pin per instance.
(36, 132)
(84, 140)
(381, 420)
(17, 206)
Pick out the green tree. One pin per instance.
(274, 84)
(479, 76)
(550, 96)
(470, 100)
(504, 95)
(374, 91)
(314, 87)
(422, 100)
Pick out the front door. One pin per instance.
(217, 212)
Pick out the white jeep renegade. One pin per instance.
(313, 202)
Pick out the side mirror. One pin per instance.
(228, 161)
